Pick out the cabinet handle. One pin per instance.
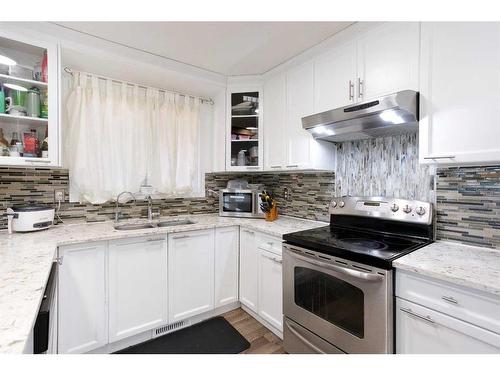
(425, 318)
(59, 260)
(248, 231)
(439, 157)
(36, 161)
(450, 300)
(253, 167)
(360, 86)
(351, 90)
(275, 166)
(178, 237)
(155, 239)
(292, 166)
(275, 260)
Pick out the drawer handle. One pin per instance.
(36, 161)
(155, 239)
(248, 231)
(450, 300)
(424, 318)
(179, 237)
(292, 166)
(275, 166)
(439, 157)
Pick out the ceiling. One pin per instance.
(228, 48)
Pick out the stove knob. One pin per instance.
(394, 207)
(341, 204)
(334, 204)
(420, 210)
(407, 209)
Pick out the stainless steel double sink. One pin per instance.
(161, 224)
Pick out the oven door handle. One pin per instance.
(346, 271)
(303, 339)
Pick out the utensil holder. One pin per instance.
(272, 214)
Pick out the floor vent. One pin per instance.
(170, 328)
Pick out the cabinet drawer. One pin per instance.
(420, 330)
(269, 243)
(466, 304)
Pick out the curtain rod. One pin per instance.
(202, 99)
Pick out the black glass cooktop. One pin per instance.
(373, 248)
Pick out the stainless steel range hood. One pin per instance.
(389, 115)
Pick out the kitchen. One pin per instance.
(336, 195)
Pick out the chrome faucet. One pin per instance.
(150, 209)
(117, 212)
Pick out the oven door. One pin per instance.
(238, 203)
(345, 303)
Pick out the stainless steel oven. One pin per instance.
(333, 305)
(240, 203)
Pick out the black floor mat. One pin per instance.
(213, 336)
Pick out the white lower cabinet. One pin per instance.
(82, 321)
(190, 273)
(137, 282)
(261, 288)
(226, 265)
(249, 267)
(420, 330)
(271, 288)
(435, 317)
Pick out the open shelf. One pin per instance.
(28, 83)
(5, 117)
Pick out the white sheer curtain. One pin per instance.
(118, 135)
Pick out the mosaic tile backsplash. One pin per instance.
(382, 167)
(309, 195)
(468, 205)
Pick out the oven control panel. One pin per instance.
(384, 208)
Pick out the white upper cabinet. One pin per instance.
(137, 282)
(300, 88)
(459, 93)
(190, 273)
(275, 122)
(388, 60)
(335, 78)
(32, 111)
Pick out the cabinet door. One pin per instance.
(270, 288)
(82, 298)
(420, 330)
(274, 122)
(226, 265)
(460, 92)
(299, 104)
(334, 79)
(388, 60)
(137, 286)
(190, 273)
(249, 267)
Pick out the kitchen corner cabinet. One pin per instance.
(190, 273)
(30, 112)
(244, 151)
(82, 321)
(226, 265)
(249, 268)
(459, 93)
(137, 282)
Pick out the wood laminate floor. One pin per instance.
(262, 340)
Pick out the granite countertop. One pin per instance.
(26, 259)
(470, 266)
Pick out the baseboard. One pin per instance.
(148, 335)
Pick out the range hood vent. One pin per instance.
(389, 115)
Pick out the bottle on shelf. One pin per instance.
(44, 148)
(31, 144)
(44, 104)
